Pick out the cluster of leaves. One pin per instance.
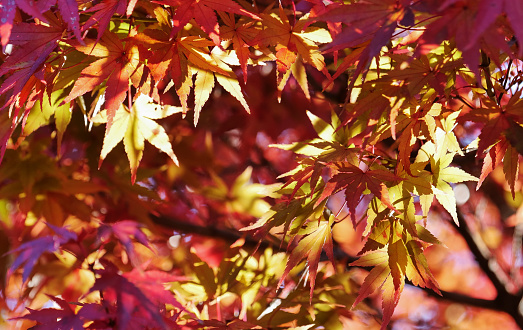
(410, 87)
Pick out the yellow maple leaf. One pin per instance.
(204, 83)
(134, 127)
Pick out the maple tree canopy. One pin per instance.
(256, 164)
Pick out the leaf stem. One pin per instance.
(485, 62)
(505, 80)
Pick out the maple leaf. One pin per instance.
(132, 305)
(103, 12)
(52, 318)
(124, 231)
(116, 65)
(316, 237)
(496, 137)
(33, 44)
(27, 61)
(424, 72)
(206, 66)
(176, 57)
(417, 269)
(442, 175)
(394, 255)
(297, 211)
(355, 181)
(204, 83)
(329, 147)
(67, 317)
(469, 23)
(203, 12)
(379, 277)
(240, 33)
(68, 10)
(8, 11)
(41, 113)
(136, 126)
(153, 282)
(445, 138)
(30, 252)
(371, 23)
(511, 168)
(417, 183)
(294, 43)
(491, 133)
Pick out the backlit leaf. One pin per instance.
(134, 128)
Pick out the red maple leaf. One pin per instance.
(8, 11)
(117, 64)
(103, 12)
(32, 45)
(152, 282)
(30, 252)
(355, 181)
(124, 231)
(172, 57)
(52, 318)
(241, 33)
(68, 10)
(497, 139)
(203, 13)
(470, 24)
(126, 302)
(369, 22)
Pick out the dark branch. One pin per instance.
(505, 300)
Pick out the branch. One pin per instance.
(464, 299)
(209, 231)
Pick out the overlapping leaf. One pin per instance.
(442, 175)
(295, 43)
(117, 64)
(316, 237)
(186, 56)
(30, 252)
(240, 33)
(203, 12)
(132, 305)
(66, 317)
(355, 181)
(394, 256)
